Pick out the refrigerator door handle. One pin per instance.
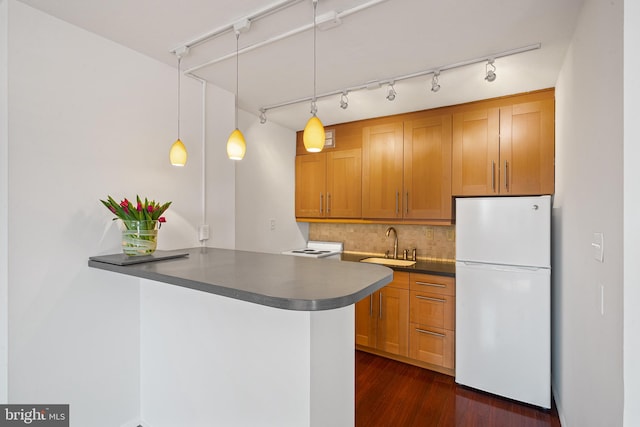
(499, 267)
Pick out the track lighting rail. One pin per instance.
(388, 81)
(323, 20)
(261, 13)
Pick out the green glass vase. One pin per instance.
(139, 237)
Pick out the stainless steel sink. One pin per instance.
(389, 261)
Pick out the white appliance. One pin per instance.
(503, 318)
(318, 249)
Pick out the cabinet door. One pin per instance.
(433, 345)
(366, 321)
(427, 168)
(382, 171)
(527, 146)
(432, 310)
(310, 185)
(393, 321)
(476, 152)
(344, 184)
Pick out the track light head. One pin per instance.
(434, 82)
(263, 116)
(344, 101)
(391, 92)
(490, 69)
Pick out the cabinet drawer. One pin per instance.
(432, 310)
(400, 280)
(432, 283)
(432, 345)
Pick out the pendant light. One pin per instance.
(178, 153)
(313, 135)
(236, 145)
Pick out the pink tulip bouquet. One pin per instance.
(127, 211)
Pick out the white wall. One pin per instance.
(88, 118)
(587, 346)
(265, 189)
(631, 214)
(4, 190)
(220, 181)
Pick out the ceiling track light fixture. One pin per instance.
(236, 145)
(344, 100)
(490, 69)
(178, 152)
(391, 92)
(435, 86)
(375, 84)
(313, 136)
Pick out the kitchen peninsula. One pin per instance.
(246, 338)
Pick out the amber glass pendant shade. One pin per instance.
(313, 135)
(236, 145)
(178, 153)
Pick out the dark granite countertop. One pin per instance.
(437, 268)
(281, 281)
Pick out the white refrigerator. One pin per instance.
(503, 318)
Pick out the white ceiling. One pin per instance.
(393, 38)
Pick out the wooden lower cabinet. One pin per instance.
(411, 320)
(432, 345)
(382, 318)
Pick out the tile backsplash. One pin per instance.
(433, 243)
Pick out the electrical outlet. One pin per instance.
(429, 233)
(451, 235)
(272, 224)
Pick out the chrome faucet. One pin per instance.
(395, 241)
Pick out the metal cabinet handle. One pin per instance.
(506, 175)
(328, 203)
(380, 308)
(407, 203)
(422, 331)
(431, 299)
(321, 203)
(493, 176)
(435, 285)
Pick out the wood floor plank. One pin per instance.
(394, 394)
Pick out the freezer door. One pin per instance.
(503, 340)
(504, 230)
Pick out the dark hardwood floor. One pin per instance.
(394, 394)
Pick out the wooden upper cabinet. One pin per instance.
(476, 148)
(311, 173)
(382, 158)
(505, 150)
(407, 167)
(427, 168)
(328, 185)
(344, 184)
(527, 148)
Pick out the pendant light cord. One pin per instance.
(313, 102)
(179, 60)
(237, 78)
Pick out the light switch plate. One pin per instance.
(203, 232)
(598, 246)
